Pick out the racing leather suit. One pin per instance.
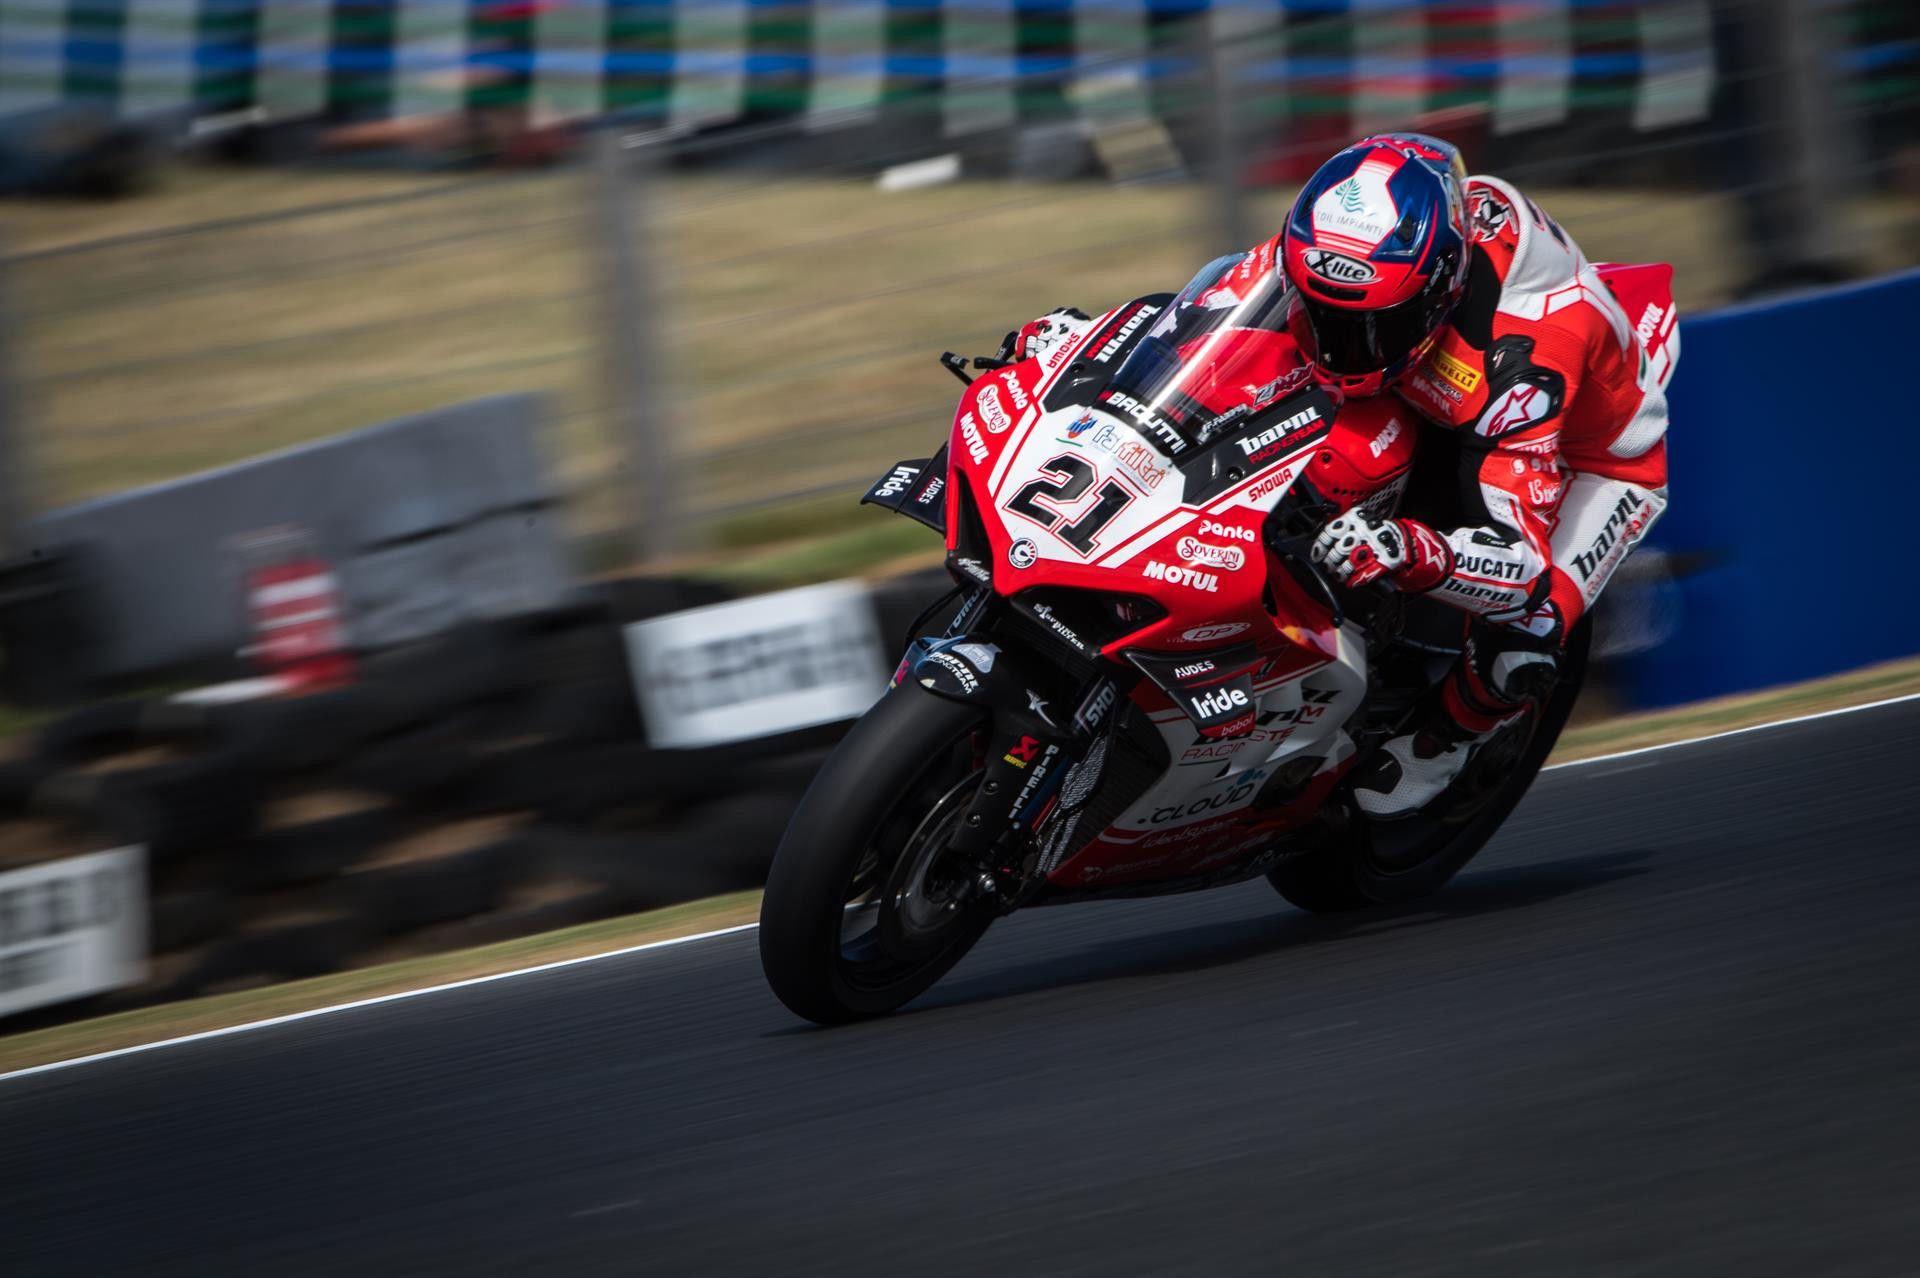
(1558, 400)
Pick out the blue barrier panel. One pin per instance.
(1793, 446)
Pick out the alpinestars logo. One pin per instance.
(1191, 578)
(1274, 439)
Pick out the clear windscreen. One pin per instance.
(1217, 345)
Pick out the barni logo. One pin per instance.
(1188, 577)
(1127, 330)
(1388, 433)
(1338, 267)
(992, 412)
(970, 432)
(1231, 558)
(1218, 702)
(1273, 438)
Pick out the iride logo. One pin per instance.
(1221, 701)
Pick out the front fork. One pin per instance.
(1028, 747)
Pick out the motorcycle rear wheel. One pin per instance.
(1354, 863)
(861, 912)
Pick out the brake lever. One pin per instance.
(957, 365)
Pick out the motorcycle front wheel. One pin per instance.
(1351, 862)
(864, 909)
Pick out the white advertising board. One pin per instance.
(71, 928)
(759, 666)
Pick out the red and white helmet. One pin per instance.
(1376, 252)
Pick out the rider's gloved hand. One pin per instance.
(1038, 337)
(1356, 549)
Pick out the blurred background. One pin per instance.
(580, 312)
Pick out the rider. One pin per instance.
(1465, 300)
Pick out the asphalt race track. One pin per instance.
(1666, 1025)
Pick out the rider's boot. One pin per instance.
(1412, 770)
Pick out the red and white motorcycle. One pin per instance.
(1146, 687)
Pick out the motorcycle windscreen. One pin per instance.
(1219, 349)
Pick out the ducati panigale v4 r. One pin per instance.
(1146, 686)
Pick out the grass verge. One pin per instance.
(127, 1029)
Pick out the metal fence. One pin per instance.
(762, 317)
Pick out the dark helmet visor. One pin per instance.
(1354, 342)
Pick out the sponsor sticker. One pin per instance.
(992, 413)
(1214, 528)
(1455, 370)
(1023, 553)
(970, 433)
(1220, 630)
(1384, 440)
(1191, 578)
(1277, 438)
(980, 654)
(1022, 754)
(896, 483)
(1195, 551)
(1338, 267)
(1261, 396)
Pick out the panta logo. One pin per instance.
(1179, 576)
(1338, 267)
(1384, 440)
(970, 432)
(1020, 397)
(1207, 634)
(1213, 528)
(992, 412)
(1231, 558)
(1221, 701)
(896, 483)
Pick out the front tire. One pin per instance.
(1353, 863)
(862, 911)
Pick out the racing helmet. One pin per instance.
(1376, 253)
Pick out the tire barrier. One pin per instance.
(490, 783)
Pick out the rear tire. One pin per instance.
(852, 855)
(1353, 863)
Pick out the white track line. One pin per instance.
(1717, 736)
(399, 995)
